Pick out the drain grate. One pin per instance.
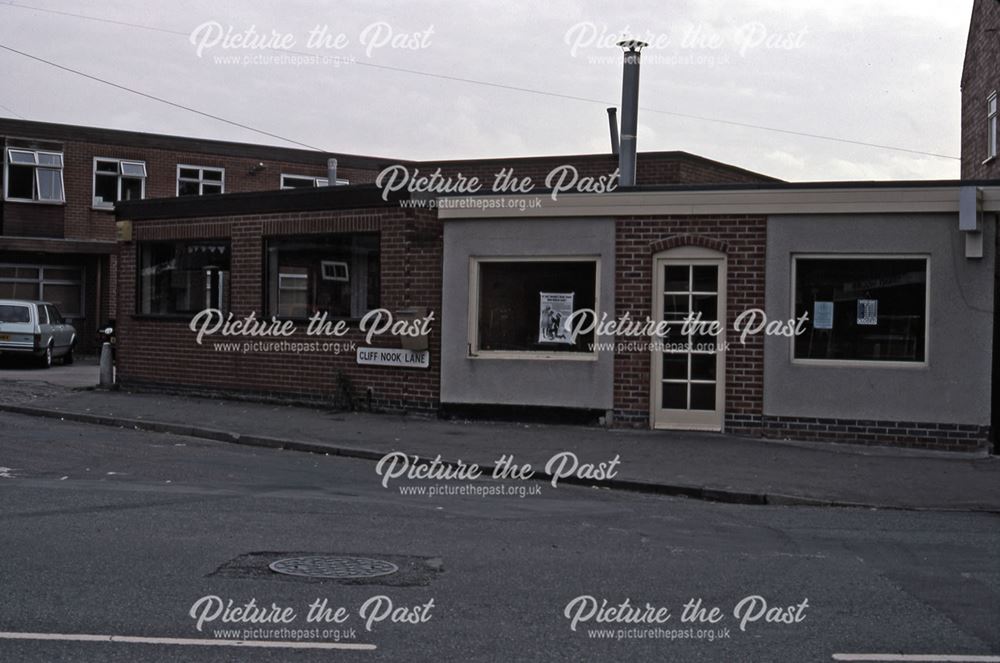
(333, 567)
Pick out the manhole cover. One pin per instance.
(333, 567)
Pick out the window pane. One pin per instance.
(702, 396)
(21, 182)
(190, 173)
(9, 290)
(183, 277)
(210, 188)
(707, 305)
(213, 175)
(703, 366)
(105, 188)
(870, 309)
(65, 297)
(16, 272)
(706, 278)
(299, 282)
(676, 307)
(110, 167)
(133, 169)
(131, 188)
(187, 188)
(523, 306)
(675, 395)
(59, 274)
(10, 313)
(21, 156)
(50, 159)
(677, 279)
(297, 182)
(49, 184)
(675, 366)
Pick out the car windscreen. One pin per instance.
(10, 313)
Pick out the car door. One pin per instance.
(44, 327)
(60, 330)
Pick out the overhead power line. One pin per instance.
(159, 99)
(491, 84)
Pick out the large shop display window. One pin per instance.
(183, 277)
(523, 306)
(869, 309)
(333, 274)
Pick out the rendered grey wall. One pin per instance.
(955, 385)
(556, 383)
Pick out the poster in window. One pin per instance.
(868, 312)
(555, 307)
(823, 315)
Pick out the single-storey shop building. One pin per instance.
(833, 311)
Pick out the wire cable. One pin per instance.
(513, 88)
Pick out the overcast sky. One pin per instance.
(876, 71)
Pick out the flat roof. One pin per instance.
(30, 129)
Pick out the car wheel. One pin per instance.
(46, 359)
(68, 357)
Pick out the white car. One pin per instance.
(36, 329)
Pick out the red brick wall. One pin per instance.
(163, 352)
(980, 77)
(743, 240)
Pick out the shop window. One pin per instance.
(62, 286)
(522, 306)
(307, 181)
(115, 179)
(862, 309)
(200, 181)
(991, 126)
(183, 277)
(335, 274)
(34, 175)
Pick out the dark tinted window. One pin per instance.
(10, 313)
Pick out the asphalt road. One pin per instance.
(111, 532)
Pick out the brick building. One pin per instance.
(980, 85)
(60, 184)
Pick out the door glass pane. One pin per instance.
(706, 278)
(703, 396)
(675, 366)
(675, 307)
(703, 367)
(676, 279)
(707, 305)
(675, 395)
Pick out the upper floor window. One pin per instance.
(116, 179)
(307, 181)
(199, 181)
(991, 126)
(34, 175)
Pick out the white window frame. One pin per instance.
(992, 128)
(111, 205)
(201, 181)
(317, 181)
(36, 187)
(863, 363)
(41, 281)
(473, 321)
(335, 270)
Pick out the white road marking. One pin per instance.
(923, 658)
(7, 473)
(195, 642)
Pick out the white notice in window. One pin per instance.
(555, 307)
(868, 312)
(823, 315)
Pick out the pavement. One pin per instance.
(697, 465)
